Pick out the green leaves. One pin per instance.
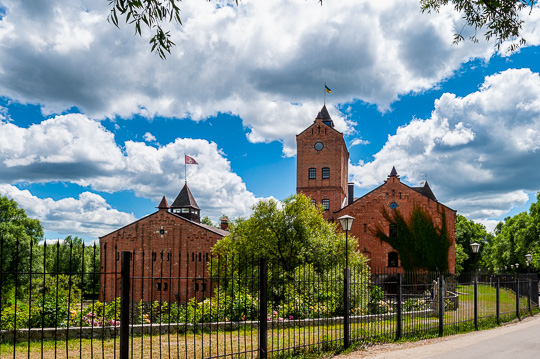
(292, 233)
(152, 14)
(420, 243)
(500, 18)
(517, 236)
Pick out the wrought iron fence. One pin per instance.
(63, 300)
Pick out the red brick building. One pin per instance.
(322, 174)
(170, 251)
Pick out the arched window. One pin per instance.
(326, 204)
(393, 259)
(326, 172)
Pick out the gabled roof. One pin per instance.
(324, 116)
(185, 199)
(218, 231)
(426, 191)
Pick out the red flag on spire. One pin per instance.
(190, 160)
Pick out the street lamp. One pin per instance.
(346, 222)
(475, 247)
(529, 257)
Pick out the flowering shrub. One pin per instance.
(415, 305)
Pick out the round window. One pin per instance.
(319, 146)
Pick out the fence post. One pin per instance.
(475, 301)
(498, 301)
(517, 298)
(399, 300)
(346, 308)
(125, 280)
(529, 299)
(263, 306)
(441, 305)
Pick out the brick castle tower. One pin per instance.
(322, 164)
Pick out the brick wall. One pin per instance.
(334, 156)
(367, 212)
(163, 245)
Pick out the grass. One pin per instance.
(299, 342)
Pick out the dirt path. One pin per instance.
(517, 339)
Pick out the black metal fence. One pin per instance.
(63, 300)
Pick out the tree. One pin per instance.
(501, 18)
(18, 235)
(514, 238)
(420, 243)
(206, 220)
(468, 232)
(291, 233)
(298, 243)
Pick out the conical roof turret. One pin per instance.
(325, 117)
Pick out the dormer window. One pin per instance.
(325, 172)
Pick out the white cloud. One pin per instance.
(73, 148)
(478, 152)
(148, 137)
(258, 60)
(358, 141)
(89, 214)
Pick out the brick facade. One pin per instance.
(367, 210)
(163, 245)
(331, 156)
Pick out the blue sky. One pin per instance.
(93, 127)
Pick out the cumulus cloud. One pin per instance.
(478, 152)
(73, 148)
(148, 137)
(265, 61)
(89, 214)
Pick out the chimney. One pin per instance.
(224, 223)
(350, 194)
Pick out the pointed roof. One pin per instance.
(426, 191)
(185, 199)
(393, 173)
(325, 117)
(163, 204)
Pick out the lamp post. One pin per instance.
(529, 258)
(346, 222)
(475, 247)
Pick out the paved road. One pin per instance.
(515, 341)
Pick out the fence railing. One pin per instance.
(63, 300)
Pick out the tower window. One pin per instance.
(326, 204)
(312, 173)
(393, 259)
(326, 172)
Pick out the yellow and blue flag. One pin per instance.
(327, 89)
